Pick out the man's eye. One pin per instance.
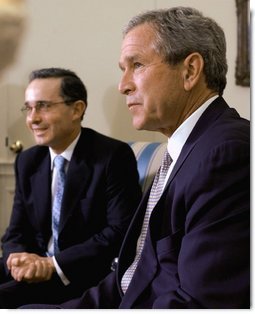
(27, 108)
(43, 105)
(137, 65)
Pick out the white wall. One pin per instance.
(85, 36)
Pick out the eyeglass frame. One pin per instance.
(42, 106)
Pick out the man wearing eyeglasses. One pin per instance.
(101, 190)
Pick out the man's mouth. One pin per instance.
(132, 105)
(38, 131)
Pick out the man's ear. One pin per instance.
(79, 108)
(193, 69)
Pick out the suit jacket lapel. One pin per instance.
(144, 274)
(130, 241)
(210, 115)
(41, 194)
(77, 179)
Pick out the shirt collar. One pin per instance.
(67, 154)
(179, 137)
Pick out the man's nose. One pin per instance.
(34, 115)
(126, 84)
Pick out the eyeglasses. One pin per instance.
(42, 106)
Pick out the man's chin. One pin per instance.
(41, 142)
(142, 127)
(138, 125)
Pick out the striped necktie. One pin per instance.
(59, 164)
(155, 193)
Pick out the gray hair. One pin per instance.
(181, 31)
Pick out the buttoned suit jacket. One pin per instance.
(101, 193)
(197, 250)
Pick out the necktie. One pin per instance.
(156, 191)
(59, 164)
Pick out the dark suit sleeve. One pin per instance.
(213, 260)
(20, 235)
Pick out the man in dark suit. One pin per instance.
(100, 194)
(192, 249)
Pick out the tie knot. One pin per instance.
(59, 162)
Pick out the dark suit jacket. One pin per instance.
(196, 254)
(101, 194)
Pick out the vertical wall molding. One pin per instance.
(7, 186)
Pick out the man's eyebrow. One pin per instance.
(26, 103)
(128, 59)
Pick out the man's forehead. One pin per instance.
(141, 37)
(142, 32)
(38, 89)
(137, 50)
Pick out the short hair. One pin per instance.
(71, 89)
(180, 31)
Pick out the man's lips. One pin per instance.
(132, 105)
(39, 130)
